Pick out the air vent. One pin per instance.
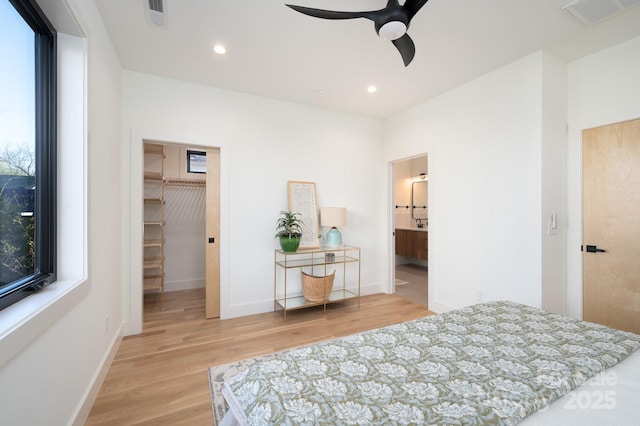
(156, 12)
(590, 12)
(156, 5)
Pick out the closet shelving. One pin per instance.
(154, 222)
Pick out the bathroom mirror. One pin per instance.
(419, 200)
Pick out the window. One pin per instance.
(27, 150)
(196, 161)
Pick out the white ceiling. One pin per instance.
(275, 52)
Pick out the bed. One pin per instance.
(491, 363)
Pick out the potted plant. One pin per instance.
(289, 230)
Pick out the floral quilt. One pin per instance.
(492, 363)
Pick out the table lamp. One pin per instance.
(333, 217)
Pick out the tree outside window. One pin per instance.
(27, 150)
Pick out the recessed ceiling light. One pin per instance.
(372, 89)
(219, 49)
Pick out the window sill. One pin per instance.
(25, 320)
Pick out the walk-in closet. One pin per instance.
(174, 220)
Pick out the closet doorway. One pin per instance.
(181, 223)
(411, 228)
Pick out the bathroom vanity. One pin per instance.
(412, 242)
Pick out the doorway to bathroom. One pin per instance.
(411, 228)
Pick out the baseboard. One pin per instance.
(439, 307)
(92, 393)
(184, 285)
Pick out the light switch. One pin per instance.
(552, 224)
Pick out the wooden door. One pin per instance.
(611, 222)
(212, 255)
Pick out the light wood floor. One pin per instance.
(160, 376)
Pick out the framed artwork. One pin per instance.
(196, 161)
(302, 199)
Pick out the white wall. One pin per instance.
(604, 88)
(264, 143)
(50, 377)
(499, 166)
(483, 141)
(554, 184)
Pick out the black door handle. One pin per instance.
(594, 249)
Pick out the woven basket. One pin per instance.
(317, 289)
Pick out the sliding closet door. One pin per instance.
(611, 225)
(212, 274)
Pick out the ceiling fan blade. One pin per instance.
(394, 14)
(329, 14)
(406, 48)
(413, 6)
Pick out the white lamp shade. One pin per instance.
(333, 216)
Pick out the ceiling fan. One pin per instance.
(391, 23)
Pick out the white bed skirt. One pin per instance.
(611, 398)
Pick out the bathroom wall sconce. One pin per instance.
(333, 217)
(420, 177)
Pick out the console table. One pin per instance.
(345, 260)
